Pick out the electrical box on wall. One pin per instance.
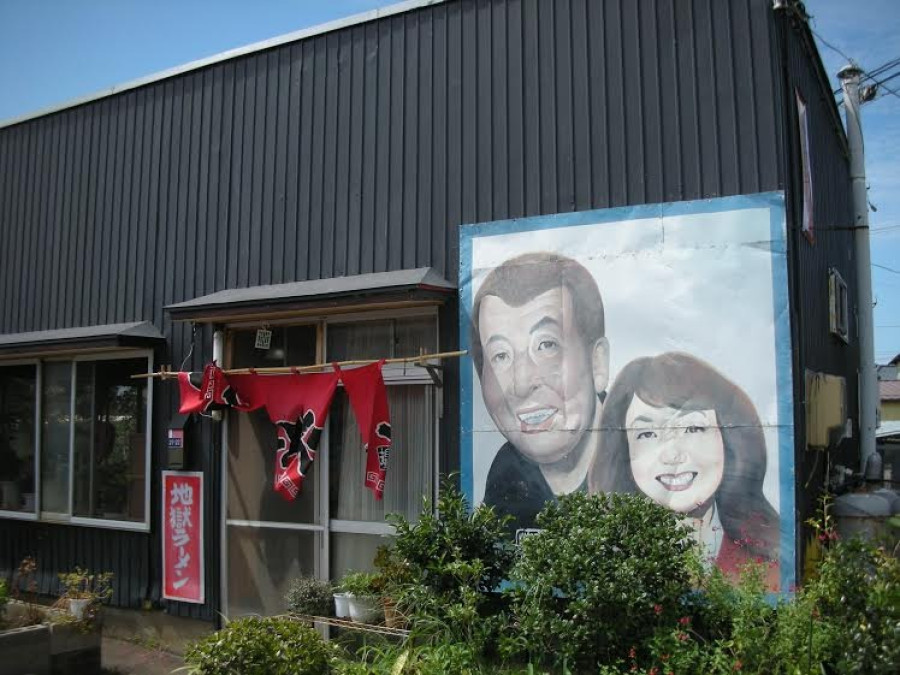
(176, 441)
(826, 410)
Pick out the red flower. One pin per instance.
(653, 671)
(738, 665)
(684, 621)
(681, 636)
(632, 653)
(657, 609)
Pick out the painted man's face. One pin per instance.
(540, 380)
(677, 457)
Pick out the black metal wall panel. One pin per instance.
(816, 349)
(363, 150)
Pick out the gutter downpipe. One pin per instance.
(850, 76)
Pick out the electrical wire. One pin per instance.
(831, 46)
(875, 72)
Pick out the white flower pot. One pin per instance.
(77, 607)
(365, 609)
(341, 605)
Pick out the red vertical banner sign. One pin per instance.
(182, 533)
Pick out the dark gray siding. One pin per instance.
(816, 348)
(363, 150)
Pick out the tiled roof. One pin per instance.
(889, 390)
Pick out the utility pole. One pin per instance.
(849, 76)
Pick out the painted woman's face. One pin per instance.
(677, 456)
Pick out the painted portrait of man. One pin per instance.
(636, 349)
(541, 354)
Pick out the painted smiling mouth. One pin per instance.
(676, 482)
(537, 419)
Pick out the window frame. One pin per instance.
(393, 376)
(69, 518)
(838, 306)
(30, 515)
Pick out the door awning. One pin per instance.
(378, 289)
(83, 338)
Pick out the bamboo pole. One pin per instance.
(165, 373)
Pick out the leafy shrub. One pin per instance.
(362, 584)
(856, 594)
(307, 595)
(845, 620)
(445, 658)
(604, 572)
(447, 568)
(4, 598)
(261, 646)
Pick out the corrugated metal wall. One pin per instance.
(363, 150)
(816, 348)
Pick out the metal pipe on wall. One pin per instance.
(849, 76)
(219, 357)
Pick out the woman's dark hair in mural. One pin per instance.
(522, 278)
(683, 382)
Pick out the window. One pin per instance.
(74, 440)
(18, 431)
(335, 524)
(355, 514)
(838, 305)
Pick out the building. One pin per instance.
(889, 390)
(314, 185)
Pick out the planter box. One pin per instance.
(50, 648)
(25, 650)
(73, 650)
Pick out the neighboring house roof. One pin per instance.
(889, 390)
(888, 429)
(895, 361)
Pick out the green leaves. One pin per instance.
(310, 596)
(452, 560)
(261, 646)
(602, 573)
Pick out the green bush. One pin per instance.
(4, 598)
(855, 601)
(307, 595)
(261, 646)
(603, 573)
(845, 620)
(361, 584)
(450, 564)
(444, 658)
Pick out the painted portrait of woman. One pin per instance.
(678, 431)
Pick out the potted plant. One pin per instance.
(341, 602)
(364, 595)
(394, 573)
(309, 596)
(84, 592)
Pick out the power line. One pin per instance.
(884, 267)
(831, 46)
(882, 84)
(872, 74)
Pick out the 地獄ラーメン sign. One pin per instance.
(182, 532)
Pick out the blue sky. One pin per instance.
(52, 51)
